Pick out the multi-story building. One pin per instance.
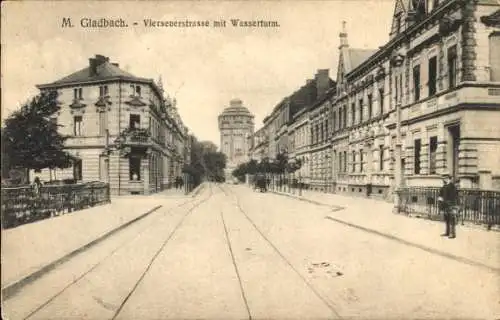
(258, 143)
(425, 103)
(300, 135)
(121, 129)
(320, 126)
(235, 125)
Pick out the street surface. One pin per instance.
(232, 253)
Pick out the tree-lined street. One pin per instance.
(233, 253)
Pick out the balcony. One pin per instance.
(138, 139)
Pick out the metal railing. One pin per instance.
(24, 204)
(477, 206)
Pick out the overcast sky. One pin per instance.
(202, 68)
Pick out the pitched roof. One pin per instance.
(104, 70)
(358, 56)
(492, 19)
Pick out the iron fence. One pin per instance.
(24, 204)
(477, 206)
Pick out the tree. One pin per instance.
(31, 138)
(206, 162)
(215, 163)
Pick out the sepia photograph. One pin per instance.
(274, 159)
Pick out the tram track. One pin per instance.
(157, 253)
(324, 300)
(124, 244)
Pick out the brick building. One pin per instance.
(101, 103)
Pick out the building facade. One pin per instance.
(259, 144)
(423, 104)
(236, 125)
(121, 128)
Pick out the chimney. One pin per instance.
(96, 62)
(92, 67)
(322, 82)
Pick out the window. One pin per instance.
(452, 66)
(361, 157)
(134, 121)
(340, 164)
(77, 125)
(353, 114)
(345, 117)
(326, 129)
(77, 170)
(345, 161)
(77, 94)
(432, 155)
(353, 169)
(416, 155)
(381, 100)
(381, 157)
(334, 121)
(396, 88)
(103, 123)
(134, 163)
(398, 24)
(416, 82)
(494, 44)
(361, 110)
(370, 106)
(103, 91)
(400, 87)
(340, 118)
(432, 76)
(136, 90)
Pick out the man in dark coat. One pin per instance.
(448, 198)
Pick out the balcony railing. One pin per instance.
(24, 204)
(477, 206)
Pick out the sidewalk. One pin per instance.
(28, 248)
(472, 245)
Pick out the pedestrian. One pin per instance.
(37, 185)
(448, 198)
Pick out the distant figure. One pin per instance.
(37, 186)
(448, 198)
(178, 183)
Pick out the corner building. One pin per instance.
(425, 103)
(103, 106)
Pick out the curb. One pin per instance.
(11, 289)
(335, 208)
(466, 224)
(416, 245)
